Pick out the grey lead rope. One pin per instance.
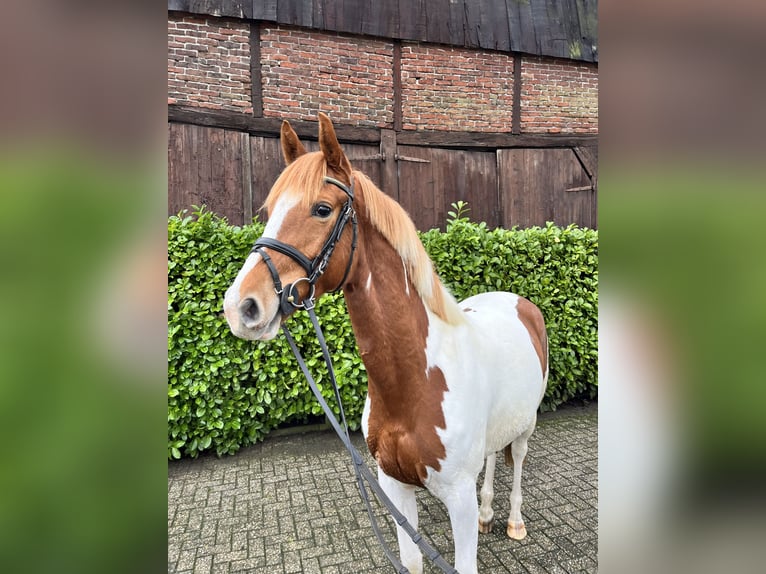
(361, 470)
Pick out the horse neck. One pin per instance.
(388, 316)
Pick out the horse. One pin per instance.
(449, 384)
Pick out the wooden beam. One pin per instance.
(265, 126)
(255, 69)
(472, 140)
(397, 73)
(270, 127)
(516, 111)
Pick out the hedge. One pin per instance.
(225, 393)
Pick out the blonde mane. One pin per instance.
(307, 174)
(393, 223)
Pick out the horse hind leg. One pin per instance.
(486, 514)
(518, 451)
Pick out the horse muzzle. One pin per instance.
(252, 319)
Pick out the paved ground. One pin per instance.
(290, 505)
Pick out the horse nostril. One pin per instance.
(248, 310)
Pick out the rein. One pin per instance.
(363, 473)
(314, 269)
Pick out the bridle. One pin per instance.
(288, 304)
(314, 268)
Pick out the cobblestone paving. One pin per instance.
(290, 505)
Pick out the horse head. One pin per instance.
(307, 246)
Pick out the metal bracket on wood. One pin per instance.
(581, 188)
(380, 156)
(398, 157)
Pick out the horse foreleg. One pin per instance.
(486, 514)
(463, 514)
(516, 528)
(403, 496)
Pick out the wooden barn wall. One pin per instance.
(231, 172)
(223, 152)
(556, 28)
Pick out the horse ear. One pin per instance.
(328, 143)
(292, 148)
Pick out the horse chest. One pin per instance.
(406, 441)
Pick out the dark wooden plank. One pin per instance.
(220, 200)
(370, 17)
(366, 158)
(469, 140)
(265, 10)
(296, 13)
(527, 41)
(388, 24)
(175, 167)
(412, 20)
(427, 190)
(246, 178)
(341, 16)
(457, 22)
(389, 176)
(232, 183)
(266, 153)
(437, 22)
(564, 30)
(197, 168)
(573, 207)
(416, 187)
(542, 27)
(587, 19)
(188, 191)
(533, 183)
(514, 24)
(204, 170)
(493, 25)
(507, 162)
(570, 24)
(472, 26)
(231, 8)
(264, 126)
(517, 185)
(178, 5)
(306, 129)
(588, 156)
(318, 16)
(199, 171)
(256, 86)
(475, 181)
(227, 199)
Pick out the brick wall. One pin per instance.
(209, 63)
(558, 96)
(456, 89)
(349, 78)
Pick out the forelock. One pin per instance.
(304, 176)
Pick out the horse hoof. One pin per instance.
(516, 530)
(486, 527)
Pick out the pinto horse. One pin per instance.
(449, 384)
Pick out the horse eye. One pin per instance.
(321, 210)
